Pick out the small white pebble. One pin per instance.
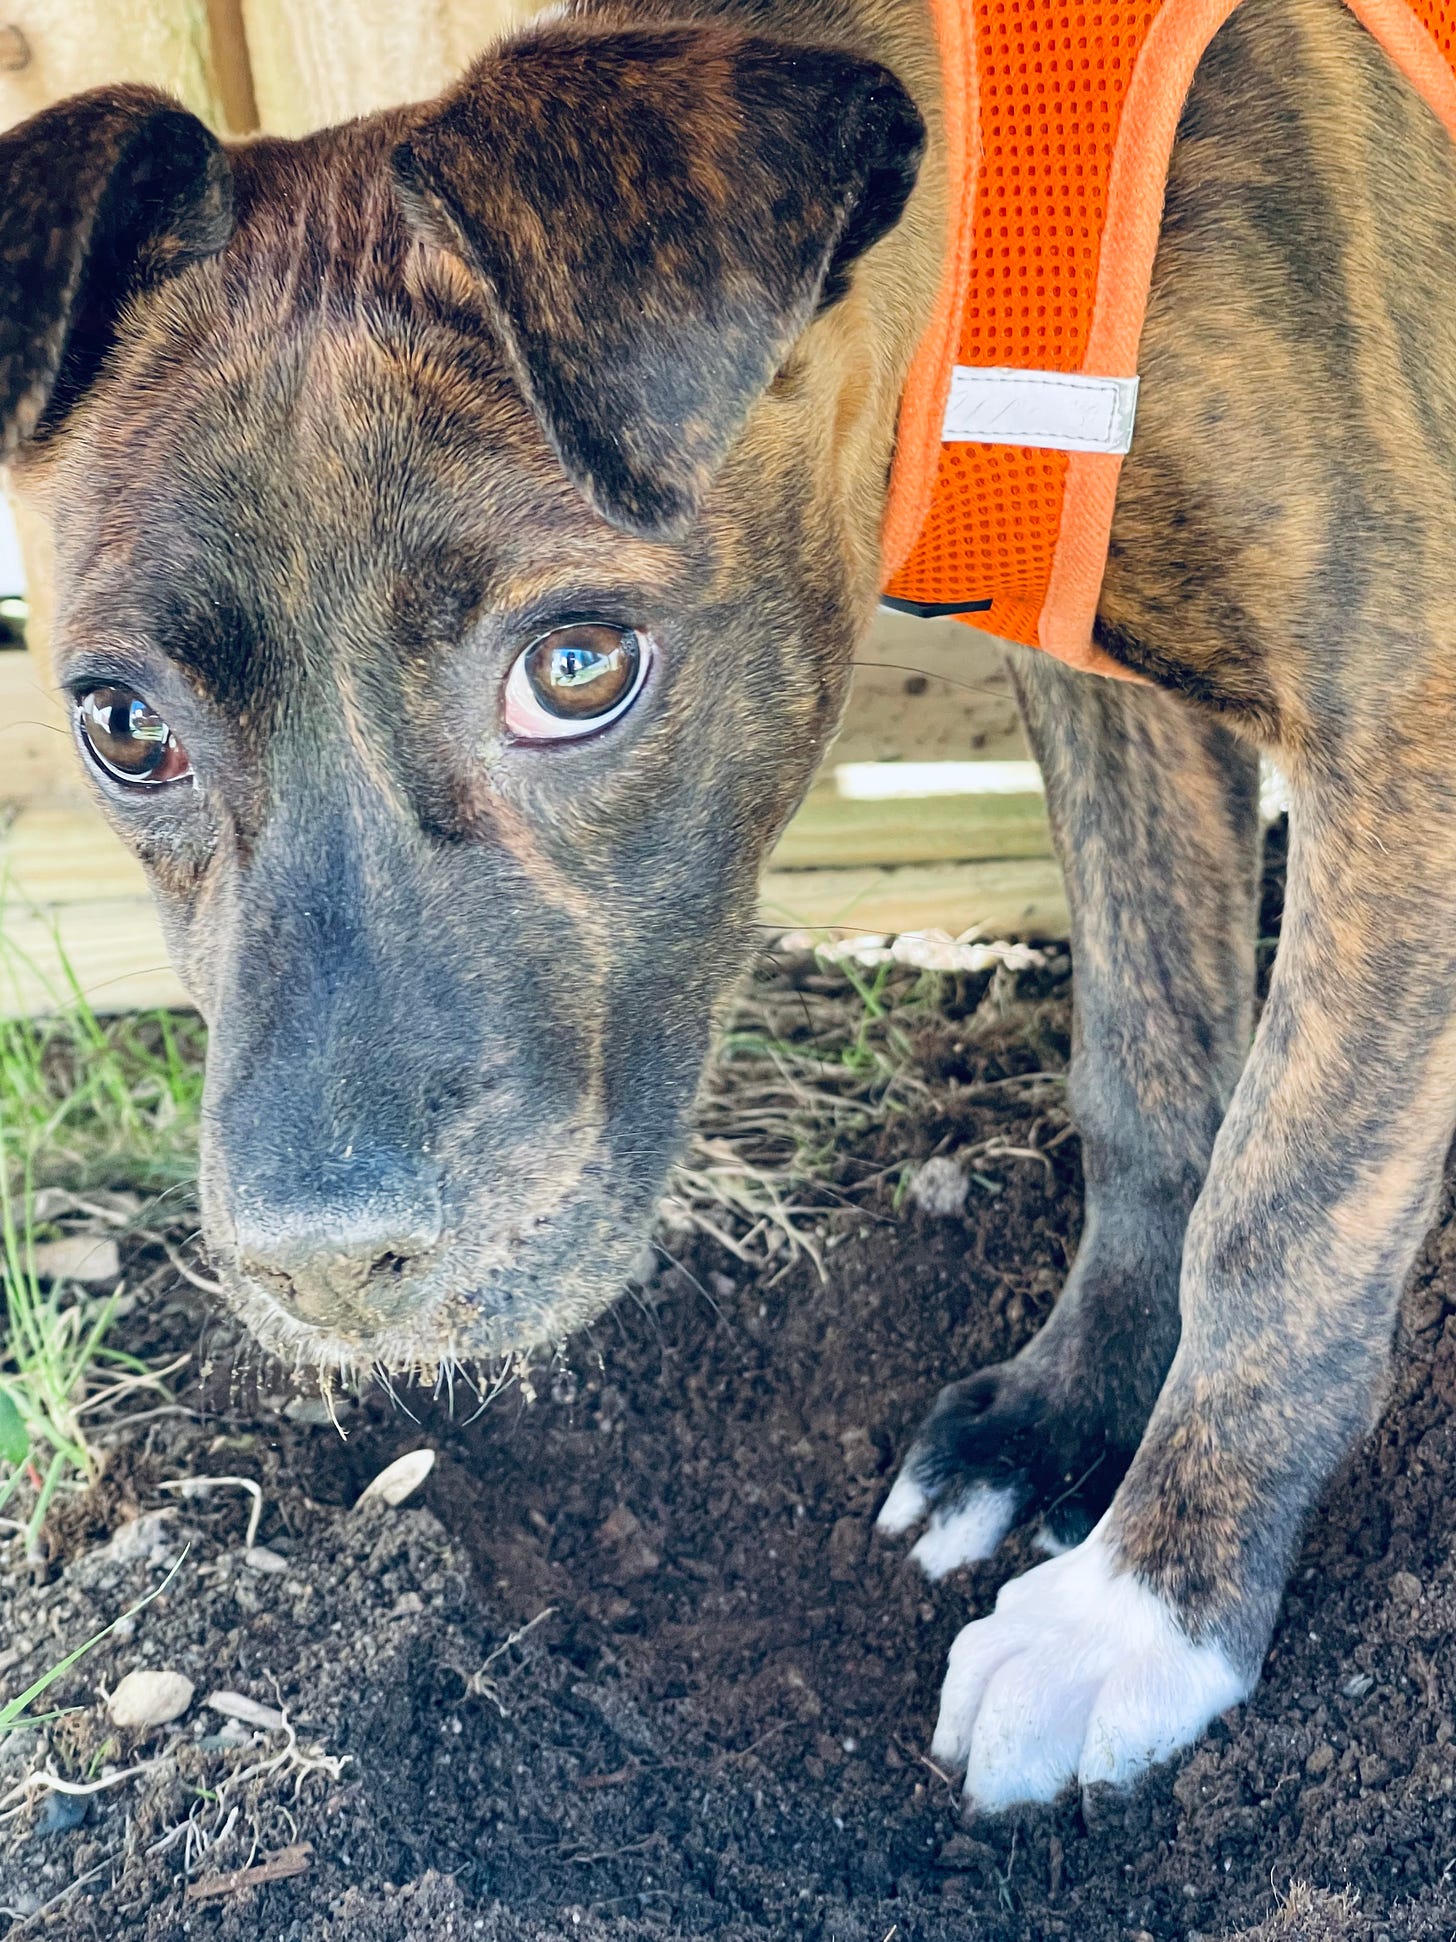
(150, 1699)
(238, 1706)
(939, 1187)
(91, 1259)
(259, 1558)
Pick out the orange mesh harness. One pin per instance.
(1059, 123)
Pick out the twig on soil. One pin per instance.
(743, 1752)
(201, 1486)
(295, 1860)
(480, 1682)
(173, 1254)
(124, 1385)
(611, 1854)
(51, 1783)
(939, 1772)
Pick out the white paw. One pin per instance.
(1080, 1673)
(964, 1534)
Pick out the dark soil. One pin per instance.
(717, 1721)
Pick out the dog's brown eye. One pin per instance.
(128, 739)
(574, 680)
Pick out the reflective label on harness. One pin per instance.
(1060, 410)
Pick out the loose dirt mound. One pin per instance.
(717, 1718)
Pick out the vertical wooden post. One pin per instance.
(231, 69)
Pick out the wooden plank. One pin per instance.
(316, 62)
(68, 855)
(64, 854)
(1022, 898)
(114, 951)
(829, 832)
(74, 895)
(929, 691)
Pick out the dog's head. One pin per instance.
(463, 521)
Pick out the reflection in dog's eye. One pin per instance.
(574, 681)
(127, 739)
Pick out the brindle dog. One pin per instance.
(465, 519)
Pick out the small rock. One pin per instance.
(318, 1411)
(150, 1699)
(1406, 1587)
(258, 1557)
(141, 1541)
(1357, 1685)
(91, 1259)
(622, 1525)
(940, 1187)
(847, 1541)
(1321, 1760)
(238, 1706)
(62, 1814)
(400, 1479)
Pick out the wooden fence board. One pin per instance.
(316, 62)
(829, 832)
(114, 951)
(995, 899)
(70, 894)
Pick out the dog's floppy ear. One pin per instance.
(656, 214)
(98, 196)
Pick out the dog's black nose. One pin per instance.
(344, 1254)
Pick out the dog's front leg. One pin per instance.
(1153, 806)
(1322, 1184)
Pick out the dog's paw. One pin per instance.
(1000, 1447)
(1081, 1673)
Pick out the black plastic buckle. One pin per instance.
(923, 610)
